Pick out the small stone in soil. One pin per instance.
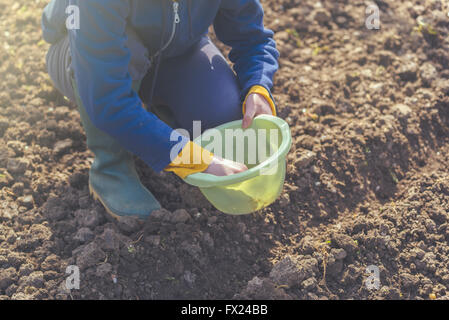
(129, 224)
(402, 111)
(17, 188)
(159, 214)
(189, 277)
(153, 240)
(443, 85)
(25, 269)
(322, 16)
(408, 71)
(7, 277)
(34, 279)
(305, 159)
(309, 283)
(88, 218)
(84, 235)
(287, 272)
(110, 239)
(339, 254)
(428, 73)
(89, 256)
(62, 146)
(103, 270)
(26, 201)
(5, 179)
(180, 216)
(4, 124)
(17, 165)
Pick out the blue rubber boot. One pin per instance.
(113, 179)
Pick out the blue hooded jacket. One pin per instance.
(100, 57)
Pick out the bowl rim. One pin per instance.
(206, 180)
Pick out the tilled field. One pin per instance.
(367, 182)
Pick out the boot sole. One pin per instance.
(97, 197)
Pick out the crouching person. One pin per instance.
(129, 54)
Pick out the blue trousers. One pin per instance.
(196, 86)
(199, 85)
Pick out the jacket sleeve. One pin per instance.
(239, 24)
(100, 62)
(53, 20)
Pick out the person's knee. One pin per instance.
(226, 108)
(219, 106)
(57, 62)
(200, 86)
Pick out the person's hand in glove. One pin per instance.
(257, 102)
(224, 167)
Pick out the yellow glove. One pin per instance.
(193, 158)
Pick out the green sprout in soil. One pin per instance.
(424, 27)
(41, 43)
(355, 74)
(22, 10)
(317, 50)
(380, 71)
(394, 177)
(295, 34)
(131, 249)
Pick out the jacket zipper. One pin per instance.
(176, 21)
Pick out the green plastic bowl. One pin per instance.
(257, 187)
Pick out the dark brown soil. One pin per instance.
(367, 182)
